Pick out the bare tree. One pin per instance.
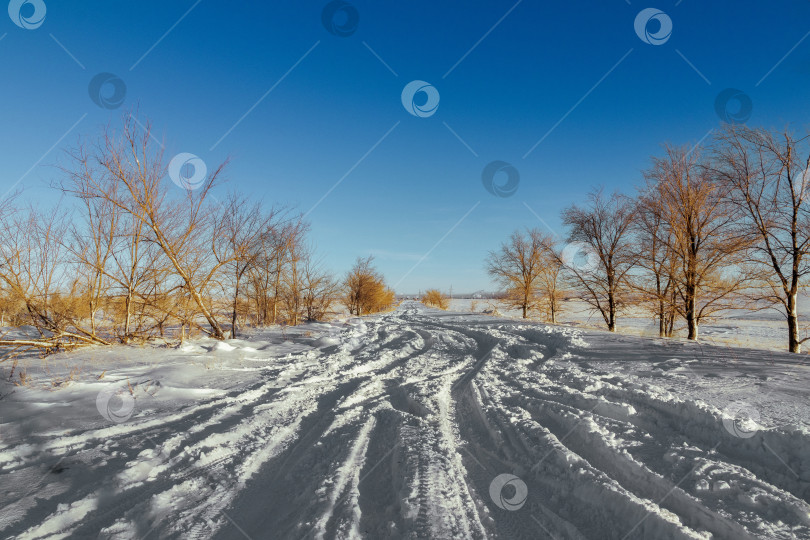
(551, 285)
(267, 274)
(601, 232)
(656, 279)
(701, 235)
(142, 275)
(181, 226)
(319, 289)
(241, 225)
(766, 176)
(92, 243)
(261, 275)
(110, 243)
(517, 266)
(293, 283)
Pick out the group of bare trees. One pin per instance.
(127, 255)
(708, 231)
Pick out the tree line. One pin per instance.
(126, 255)
(708, 230)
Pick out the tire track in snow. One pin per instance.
(512, 453)
(618, 410)
(347, 473)
(323, 437)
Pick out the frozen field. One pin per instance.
(411, 424)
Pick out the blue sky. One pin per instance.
(573, 74)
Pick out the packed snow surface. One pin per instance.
(412, 424)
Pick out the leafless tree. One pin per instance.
(319, 289)
(110, 243)
(181, 225)
(765, 174)
(142, 276)
(517, 267)
(241, 226)
(601, 231)
(551, 282)
(267, 274)
(655, 279)
(700, 233)
(92, 242)
(293, 283)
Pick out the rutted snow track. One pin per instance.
(398, 428)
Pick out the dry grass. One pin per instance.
(73, 375)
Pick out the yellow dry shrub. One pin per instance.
(434, 298)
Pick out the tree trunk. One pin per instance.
(524, 311)
(276, 287)
(128, 316)
(691, 317)
(235, 301)
(793, 324)
(216, 330)
(92, 318)
(693, 329)
(662, 323)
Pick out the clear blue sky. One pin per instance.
(525, 80)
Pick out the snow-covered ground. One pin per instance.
(412, 424)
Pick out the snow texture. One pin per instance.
(412, 424)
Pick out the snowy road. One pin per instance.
(422, 424)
